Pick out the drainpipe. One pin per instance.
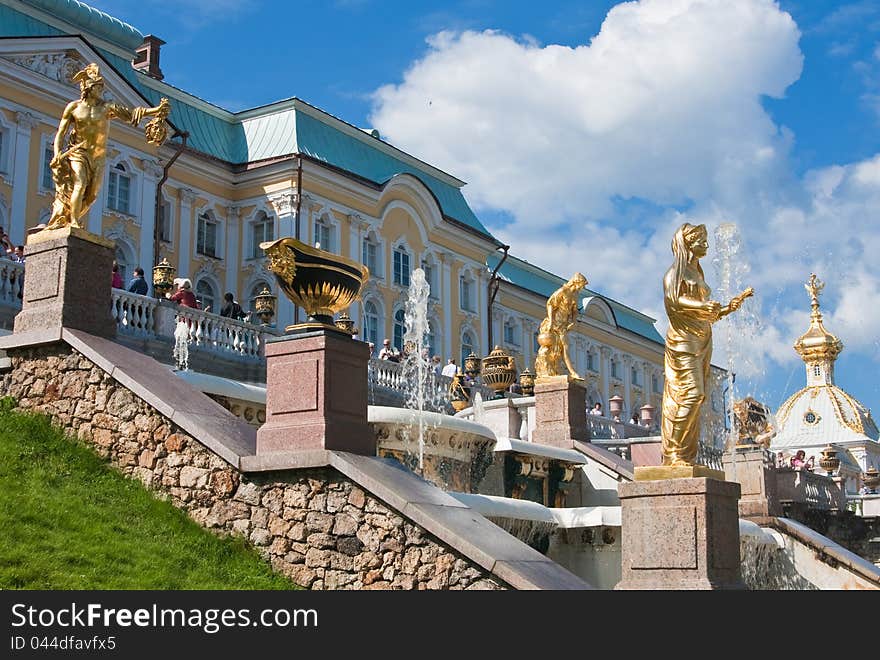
(494, 284)
(180, 147)
(299, 196)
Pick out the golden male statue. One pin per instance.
(562, 309)
(81, 145)
(688, 343)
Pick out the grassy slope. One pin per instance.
(70, 521)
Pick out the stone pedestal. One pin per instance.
(757, 480)
(67, 282)
(680, 534)
(316, 394)
(560, 412)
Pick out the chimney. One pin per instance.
(146, 57)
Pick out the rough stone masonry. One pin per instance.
(314, 525)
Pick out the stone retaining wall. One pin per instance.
(314, 525)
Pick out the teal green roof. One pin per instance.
(277, 130)
(537, 280)
(91, 20)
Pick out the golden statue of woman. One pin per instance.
(81, 145)
(688, 343)
(562, 309)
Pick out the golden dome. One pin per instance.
(817, 344)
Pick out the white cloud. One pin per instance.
(662, 105)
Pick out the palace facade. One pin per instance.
(228, 181)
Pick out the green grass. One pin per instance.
(68, 520)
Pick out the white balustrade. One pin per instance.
(222, 334)
(11, 281)
(134, 314)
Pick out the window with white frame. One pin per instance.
(119, 189)
(323, 234)
(467, 346)
(401, 265)
(591, 361)
(431, 339)
(4, 148)
(206, 295)
(370, 254)
(614, 369)
(466, 293)
(371, 323)
(122, 263)
(165, 221)
(655, 383)
(46, 181)
(634, 376)
(817, 370)
(262, 230)
(430, 278)
(206, 240)
(399, 329)
(511, 333)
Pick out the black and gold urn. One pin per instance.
(498, 370)
(320, 282)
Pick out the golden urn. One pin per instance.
(499, 370)
(346, 324)
(264, 305)
(472, 366)
(829, 461)
(459, 392)
(320, 282)
(871, 479)
(527, 382)
(163, 278)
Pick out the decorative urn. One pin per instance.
(871, 479)
(498, 370)
(459, 392)
(472, 366)
(320, 282)
(264, 305)
(527, 382)
(646, 414)
(615, 406)
(345, 323)
(163, 278)
(829, 461)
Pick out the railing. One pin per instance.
(606, 428)
(11, 279)
(134, 314)
(817, 491)
(711, 457)
(221, 334)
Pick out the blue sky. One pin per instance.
(588, 131)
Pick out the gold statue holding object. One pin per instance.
(78, 164)
(562, 310)
(688, 352)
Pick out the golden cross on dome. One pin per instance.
(814, 288)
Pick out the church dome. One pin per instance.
(822, 414)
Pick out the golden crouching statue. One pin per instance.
(688, 344)
(81, 145)
(562, 309)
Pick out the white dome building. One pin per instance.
(821, 413)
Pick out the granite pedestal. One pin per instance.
(680, 534)
(316, 394)
(560, 412)
(757, 479)
(67, 282)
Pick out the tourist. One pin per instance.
(596, 409)
(138, 284)
(635, 419)
(372, 349)
(231, 309)
(6, 243)
(436, 366)
(389, 352)
(449, 369)
(184, 295)
(18, 255)
(780, 460)
(799, 462)
(116, 281)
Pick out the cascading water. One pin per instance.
(738, 334)
(422, 392)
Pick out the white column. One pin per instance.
(445, 277)
(605, 368)
(482, 309)
(357, 228)
(233, 253)
(627, 386)
(152, 174)
(184, 254)
(284, 204)
(17, 220)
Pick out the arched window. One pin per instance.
(430, 268)
(591, 362)
(262, 230)
(206, 295)
(119, 189)
(466, 293)
(371, 323)
(614, 369)
(46, 181)
(634, 376)
(324, 235)
(467, 346)
(655, 383)
(401, 266)
(399, 329)
(511, 333)
(256, 290)
(122, 262)
(206, 242)
(165, 221)
(371, 254)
